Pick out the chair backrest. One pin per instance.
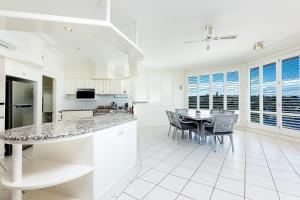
(176, 119)
(215, 111)
(228, 111)
(225, 123)
(181, 110)
(170, 117)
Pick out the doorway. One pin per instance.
(47, 102)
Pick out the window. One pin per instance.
(254, 95)
(204, 92)
(192, 92)
(218, 91)
(232, 90)
(280, 99)
(291, 93)
(269, 94)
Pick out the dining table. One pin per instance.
(199, 118)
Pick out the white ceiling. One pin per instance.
(166, 24)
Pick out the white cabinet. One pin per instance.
(115, 154)
(126, 86)
(70, 86)
(16, 69)
(115, 86)
(99, 85)
(68, 115)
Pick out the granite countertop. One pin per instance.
(63, 130)
(67, 110)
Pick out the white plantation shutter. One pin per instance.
(233, 89)
(291, 93)
(141, 86)
(154, 82)
(218, 91)
(154, 87)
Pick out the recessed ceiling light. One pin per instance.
(258, 45)
(68, 29)
(78, 49)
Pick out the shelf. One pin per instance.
(42, 173)
(38, 195)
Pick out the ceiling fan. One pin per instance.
(210, 37)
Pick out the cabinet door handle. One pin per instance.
(121, 132)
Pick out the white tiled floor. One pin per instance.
(261, 168)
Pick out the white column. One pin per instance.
(17, 169)
(137, 33)
(107, 18)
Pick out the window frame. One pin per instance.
(210, 73)
(279, 128)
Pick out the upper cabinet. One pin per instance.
(102, 87)
(107, 71)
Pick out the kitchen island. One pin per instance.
(74, 159)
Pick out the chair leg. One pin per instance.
(215, 143)
(190, 135)
(174, 133)
(231, 142)
(178, 136)
(169, 130)
(182, 131)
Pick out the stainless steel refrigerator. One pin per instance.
(19, 106)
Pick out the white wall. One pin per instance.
(153, 113)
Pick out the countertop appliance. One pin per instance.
(85, 94)
(19, 107)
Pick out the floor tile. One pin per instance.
(232, 173)
(197, 191)
(284, 196)
(230, 185)
(154, 176)
(183, 172)
(205, 178)
(124, 196)
(139, 188)
(173, 183)
(222, 195)
(181, 197)
(259, 180)
(159, 193)
(165, 167)
(288, 187)
(260, 193)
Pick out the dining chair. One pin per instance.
(216, 111)
(171, 121)
(228, 112)
(223, 125)
(181, 110)
(183, 125)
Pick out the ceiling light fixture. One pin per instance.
(68, 29)
(78, 49)
(258, 45)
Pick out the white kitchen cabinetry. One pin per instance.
(126, 86)
(104, 87)
(99, 86)
(70, 86)
(68, 115)
(16, 69)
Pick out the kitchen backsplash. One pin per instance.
(70, 102)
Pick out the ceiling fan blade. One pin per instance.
(192, 42)
(226, 37)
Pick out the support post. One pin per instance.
(107, 18)
(137, 33)
(17, 170)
